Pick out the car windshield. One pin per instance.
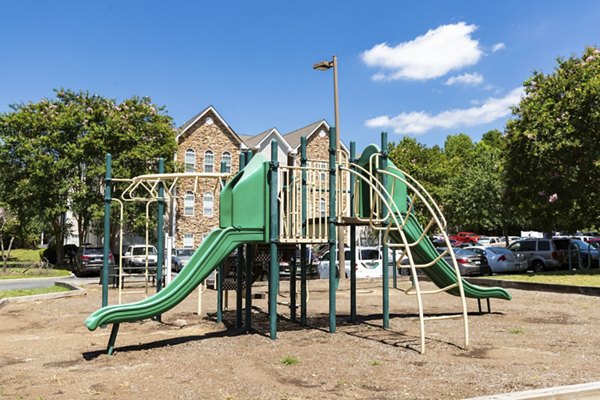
(463, 252)
(94, 250)
(184, 252)
(580, 244)
(141, 251)
(499, 250)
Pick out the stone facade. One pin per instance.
(208, 133)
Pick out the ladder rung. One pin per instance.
(412, 290)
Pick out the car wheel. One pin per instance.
(537, 266)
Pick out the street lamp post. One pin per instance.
(324, 66)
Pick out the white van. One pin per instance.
(368, 263)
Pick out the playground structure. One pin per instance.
(287, 208)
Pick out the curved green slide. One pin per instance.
(441, 273)
(243, 219)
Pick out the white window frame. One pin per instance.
(206, 210)
(190, 160)
(322, 207)
(209, 166)
(226, 157)
(188, 240)
(189, 202)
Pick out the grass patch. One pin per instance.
(25, 255)
(374, 363)
(31, 292)
(19, 273)
(289, 360)
(589, 277)
(517, 331)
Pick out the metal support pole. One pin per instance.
(160, 234)
(332, 233)
(112, 339)
(220, 272)
(384, 247)
(352, 238)
(273, 238)
(303, 261)
(248, 308)
(239, 282)
(107, 198)
(395, 269)
(293, 268)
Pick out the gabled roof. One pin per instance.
(197, 117)
(294, 137)
(260, 140)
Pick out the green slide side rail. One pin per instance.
(441, 273)
(214, 249)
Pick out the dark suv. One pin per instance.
(89, 259)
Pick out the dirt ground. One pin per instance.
(536, 340)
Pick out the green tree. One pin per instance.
(553, 162)
(52, 154)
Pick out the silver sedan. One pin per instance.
(501, 259)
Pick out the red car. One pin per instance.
(465, 237)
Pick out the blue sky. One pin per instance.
(427, 68)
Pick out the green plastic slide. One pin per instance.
(214, 249)
(243, 210)
(441, 273)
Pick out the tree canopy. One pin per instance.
(52, 153)
(553, 152)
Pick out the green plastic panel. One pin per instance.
(244, 199)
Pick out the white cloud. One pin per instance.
(439, 51)
(421, 122)
(465, 79)
(498, 46)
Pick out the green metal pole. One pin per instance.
(293, 268)
(303, 260)
(112, 339)
(332, 233)
(384, 248)
(239, 283)
(220, 273)
(352, 238)
(107, 199)
(273, 237)
(160, 240)
(248, 309)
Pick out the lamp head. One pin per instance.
(323, 65)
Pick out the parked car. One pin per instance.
(469, 263)
(501, 259)
(90, 259)
(180, 258)
(368, 263)
(465, 237)
(542, 254)
(588, 254)
(135, 257)
(491, 241)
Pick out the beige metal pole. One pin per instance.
(340, 233)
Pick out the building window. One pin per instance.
(188, 204)
(323, 173)
(188, 240)
(322, 207)
(209, 161)
(190, 160)
(207, 208)
(226, 158)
